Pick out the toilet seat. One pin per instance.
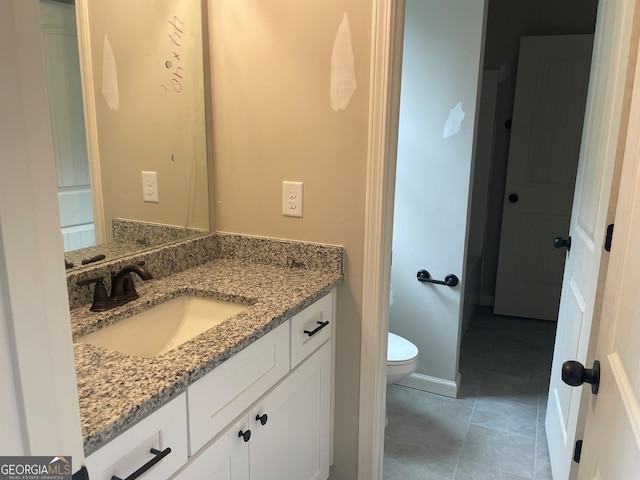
(400, 351)
(402, 358)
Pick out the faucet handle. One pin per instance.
(99, 293)
(128, 286)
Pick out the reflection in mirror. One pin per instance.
(137, 66)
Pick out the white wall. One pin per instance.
(441, 69)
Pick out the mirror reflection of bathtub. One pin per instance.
(130, 75)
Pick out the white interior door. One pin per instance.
(612, 433)
(551, 92)
(588, 223)
(60, 41)
(440, 76)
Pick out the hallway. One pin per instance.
(495, 429)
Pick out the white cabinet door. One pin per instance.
(227, 458)
(293, 444)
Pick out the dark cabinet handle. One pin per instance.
(159, 455)
(560, 242)
(262, 418)
(97, 258)
(574, 374)
(246, 435)
(513, 198)
(450, 280)
(320, 326)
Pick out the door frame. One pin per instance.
(35, 319)
(384, 109)
(90, 119)
(384, 105)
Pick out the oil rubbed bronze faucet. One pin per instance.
(123, 290)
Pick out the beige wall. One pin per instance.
(159, 112)
(273, 121)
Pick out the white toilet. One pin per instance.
(402, 358)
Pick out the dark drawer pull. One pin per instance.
(262, 418)
(97, 258)
(159, 455)
(320, 326)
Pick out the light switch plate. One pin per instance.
(150, 187)
(292, 199)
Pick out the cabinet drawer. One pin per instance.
(312, 319)
(225, 392)
(164, 428)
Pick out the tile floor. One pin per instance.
(495, 429)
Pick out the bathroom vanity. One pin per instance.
(250, 398)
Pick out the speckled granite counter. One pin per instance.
(130, 237)
(116, 390)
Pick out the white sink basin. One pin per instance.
(164, 327)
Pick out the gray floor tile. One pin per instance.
(478, 344)
(468, 392)
(509, 388)
(424, 430)
(505, 451)
(495, 428)
(542, 449)
(542, 469)
(401, 469)
(476, 471)
(526, 364)
(511, 417)
(542, 464)
(472, 366)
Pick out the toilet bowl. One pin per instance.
(402, 358)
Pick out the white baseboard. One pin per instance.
(436, 385)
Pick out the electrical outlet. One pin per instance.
(150, 187)
(292, 199)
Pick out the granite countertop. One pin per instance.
(116, 390)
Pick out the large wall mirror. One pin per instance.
(126, 94)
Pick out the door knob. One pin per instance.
(262, 418)
(513, 198)
(560, 242)
(574, 374)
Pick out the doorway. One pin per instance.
(433, 246)
(60, 40)
(378, 249)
